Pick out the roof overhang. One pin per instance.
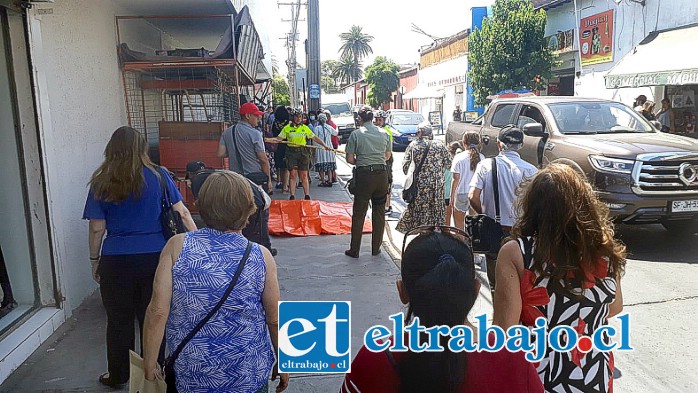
(548, 4)
(423, 92)
(662, 58)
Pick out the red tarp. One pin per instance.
(311, 218)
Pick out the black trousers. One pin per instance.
(126, 286)
(373, 186)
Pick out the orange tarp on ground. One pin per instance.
(311, 218)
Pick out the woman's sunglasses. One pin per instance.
(454, 232)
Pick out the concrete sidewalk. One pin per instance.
(310, 268)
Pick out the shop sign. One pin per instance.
(596, 38)
(675, 78)
(562, 42)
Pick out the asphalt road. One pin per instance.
(660, 293)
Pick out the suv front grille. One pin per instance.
(662, 175)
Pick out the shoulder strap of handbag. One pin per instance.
(495, 187)
(237, 151)
(421, 162)
(165, 200)
(185, 341)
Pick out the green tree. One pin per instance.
(356, 44)
(280, 92)
(329, 82)
(346, 69)
(509, 51)
(383, 79)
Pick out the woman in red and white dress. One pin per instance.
(563, 265)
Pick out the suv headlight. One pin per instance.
(611, 165)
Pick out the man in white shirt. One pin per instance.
(511, 171)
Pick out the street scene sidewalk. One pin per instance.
(309, 268)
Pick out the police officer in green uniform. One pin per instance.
(379, 120)
(368, 148)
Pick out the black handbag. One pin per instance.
(170, 378)
(410, 194)
(170, 219)
(486, 232)
(259, 178)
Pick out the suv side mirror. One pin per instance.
(533, 129)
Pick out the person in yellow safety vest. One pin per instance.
(379, 121)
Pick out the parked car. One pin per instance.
(341, 114)
(404, 127)
(643, 175)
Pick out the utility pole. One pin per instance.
(291, 39)
(313, 55)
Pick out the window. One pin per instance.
(502, 115)
(592, 117)
(530, 114)
(337, 109)
(406, 119)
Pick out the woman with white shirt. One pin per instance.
(325, 160)
(463, 168)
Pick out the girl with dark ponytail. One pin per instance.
(439, 285)
(463, 168)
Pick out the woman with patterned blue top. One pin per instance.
(234, 351)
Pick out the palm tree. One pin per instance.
(356, 45)
(345, 70)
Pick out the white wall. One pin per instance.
(80, 103)
(436, 75)
(632, 23)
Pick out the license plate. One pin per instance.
(684, 206)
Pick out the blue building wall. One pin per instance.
(478, 14)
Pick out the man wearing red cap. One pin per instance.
(243, 144)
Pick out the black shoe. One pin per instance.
(105, 379)
(374, 253)
(389, 210)
(279, 186)
(351, 253)
(291, 198)
(307, 197)
(273, 251)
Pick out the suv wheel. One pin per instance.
(685, 227)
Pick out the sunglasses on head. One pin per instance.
(453, 232)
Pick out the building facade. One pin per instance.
(62, 94)
(594, 37)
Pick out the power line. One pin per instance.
(291, 39)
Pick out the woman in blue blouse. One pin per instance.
(234, 350)
(125, 202)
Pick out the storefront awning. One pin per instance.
(424, 92)
(662, 58)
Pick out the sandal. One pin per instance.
(105, 379)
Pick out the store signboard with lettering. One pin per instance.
(596, 38)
